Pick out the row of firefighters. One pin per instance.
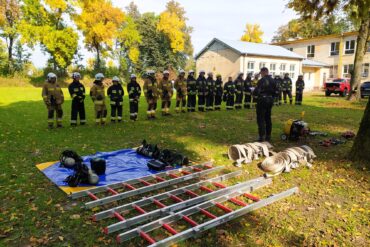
(206, 91)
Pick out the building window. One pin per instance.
(333, 71)
(292, 67)
(350, 47)
(250, 67)
(310, 51)
(334, 49)
(272, 69)
(282, 67)
(290, 49)
(365, 70)
(347, 69)
(262, 64)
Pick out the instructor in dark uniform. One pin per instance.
(265, 92)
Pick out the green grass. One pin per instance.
(331, 209)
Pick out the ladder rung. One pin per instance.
(92, 196)
(139, 209)
(178, 199)
(144, 182)
(208, 214)
(185, 172)
(169, 229)
(129, 186)
(208, 166)
(206, 189)
(196, 169)
(159, 179)
(219, 185)
(173, 175)
(190, 221)
(112, 191)
(252, 197)
(223, 207)
(118, 216)
(238, 202)
(191, 193)
(147, 237)
(158, 203)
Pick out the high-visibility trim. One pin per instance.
(82, 121)
(97, 120)
(119, 118)
(50, 120)
(73, 121)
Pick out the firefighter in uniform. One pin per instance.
(299, 87)
(191, 84)
(287, 88)
(53, 97)
(254, 85)
(151, 93)
(229, 94)
(97, 94)
(165, 90)
(218, 92)
(239, 85)
(265, 93)
(77, 91)
(248, 91)
(181, 92)
(210, 99)
(201, 90)
(279, 83)
(134, 92)
(116, 93)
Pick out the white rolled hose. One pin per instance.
(246, 153)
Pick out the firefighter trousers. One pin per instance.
(78, 110)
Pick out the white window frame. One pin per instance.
(347, 70)
(365, 68)
(262, 64)
(290, 48)
(348, 49)
(250, 67)
(310, 52)
(336, 51)
(281, 67)
(292, 68)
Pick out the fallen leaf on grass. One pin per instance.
(61, 238)
(75, 217)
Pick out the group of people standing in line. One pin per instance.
(205, 93)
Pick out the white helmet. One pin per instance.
(132, 76)
(182, 71)
(202, 71)
(76, 75)
(51, 75)
(115, 78)
(150, 72)
(166, 72)
(191, 71)
(210, 73)
(99, 76)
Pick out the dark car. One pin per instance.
(339, 86)
(365, 89)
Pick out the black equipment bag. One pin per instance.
(156, 165)
(98, 165)
(148, 150)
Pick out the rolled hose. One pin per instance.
(246, 153)
(290, 158)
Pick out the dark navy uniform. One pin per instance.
(239, 85)
(218, 93)
(279, 83)
(248, 92)
(115, 93)
(192, 92)
(77, 91)
(229, 94)
(202, 91)
(287, 89)
(134, 92)
(210, 99)
(299, 87)
(265, 93)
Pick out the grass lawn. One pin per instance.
(332, 207)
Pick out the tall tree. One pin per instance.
(10, 15)
(133, 11)
(252, 33)
(308, 28)
(43, 24)
(171, 25)
(99, 22)
(175, 7)
(358, 10)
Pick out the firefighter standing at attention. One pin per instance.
(116, 93)
(53, 97)
(218, 92)
(191, 84)
(151, 93)
(165, 90)
(229, 94)
(134, 92)
(97, 94)
(201, 90)
(181, 92)
(248, 91)
(210, 99)
(299, 87)
(77, 91)
(239, 85)
(287, 88)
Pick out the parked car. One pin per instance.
(339, 86)
(365, 89)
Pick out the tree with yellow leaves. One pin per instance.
(99, 22)
(171, 25)
(252, 33)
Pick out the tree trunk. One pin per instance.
(360, 149)
(361, 45)
(97, 65)
(10, 54)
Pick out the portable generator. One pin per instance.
(295, 129)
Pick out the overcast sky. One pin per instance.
(214, 18)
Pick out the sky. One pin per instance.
(212, 19)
